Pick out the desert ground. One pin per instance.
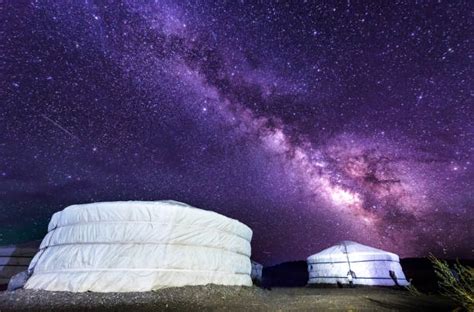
(219, 298)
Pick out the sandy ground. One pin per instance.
(218, 298)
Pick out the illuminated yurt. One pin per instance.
(140, 246)
(350, 262)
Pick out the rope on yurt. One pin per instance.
(347, 256)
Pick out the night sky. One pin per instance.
(312, 123)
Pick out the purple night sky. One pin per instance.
(311, 123)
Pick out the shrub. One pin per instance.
(456, 283)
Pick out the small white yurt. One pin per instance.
(353, 262)
(256, 273)
(15, 259)
(140, 246)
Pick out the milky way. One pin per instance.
(312, 123)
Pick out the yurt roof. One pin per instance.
(147, 211)
(255, 263)
(353, 250)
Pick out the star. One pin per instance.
(292, 118)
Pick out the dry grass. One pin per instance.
(412, 290)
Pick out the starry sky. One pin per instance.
(311, 122)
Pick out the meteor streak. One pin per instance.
(55, 123)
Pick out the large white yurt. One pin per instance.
(15, 259)
(140, 246)
(353, 262)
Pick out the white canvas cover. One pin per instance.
(140, 246)
(15, 259)
(370, 266)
